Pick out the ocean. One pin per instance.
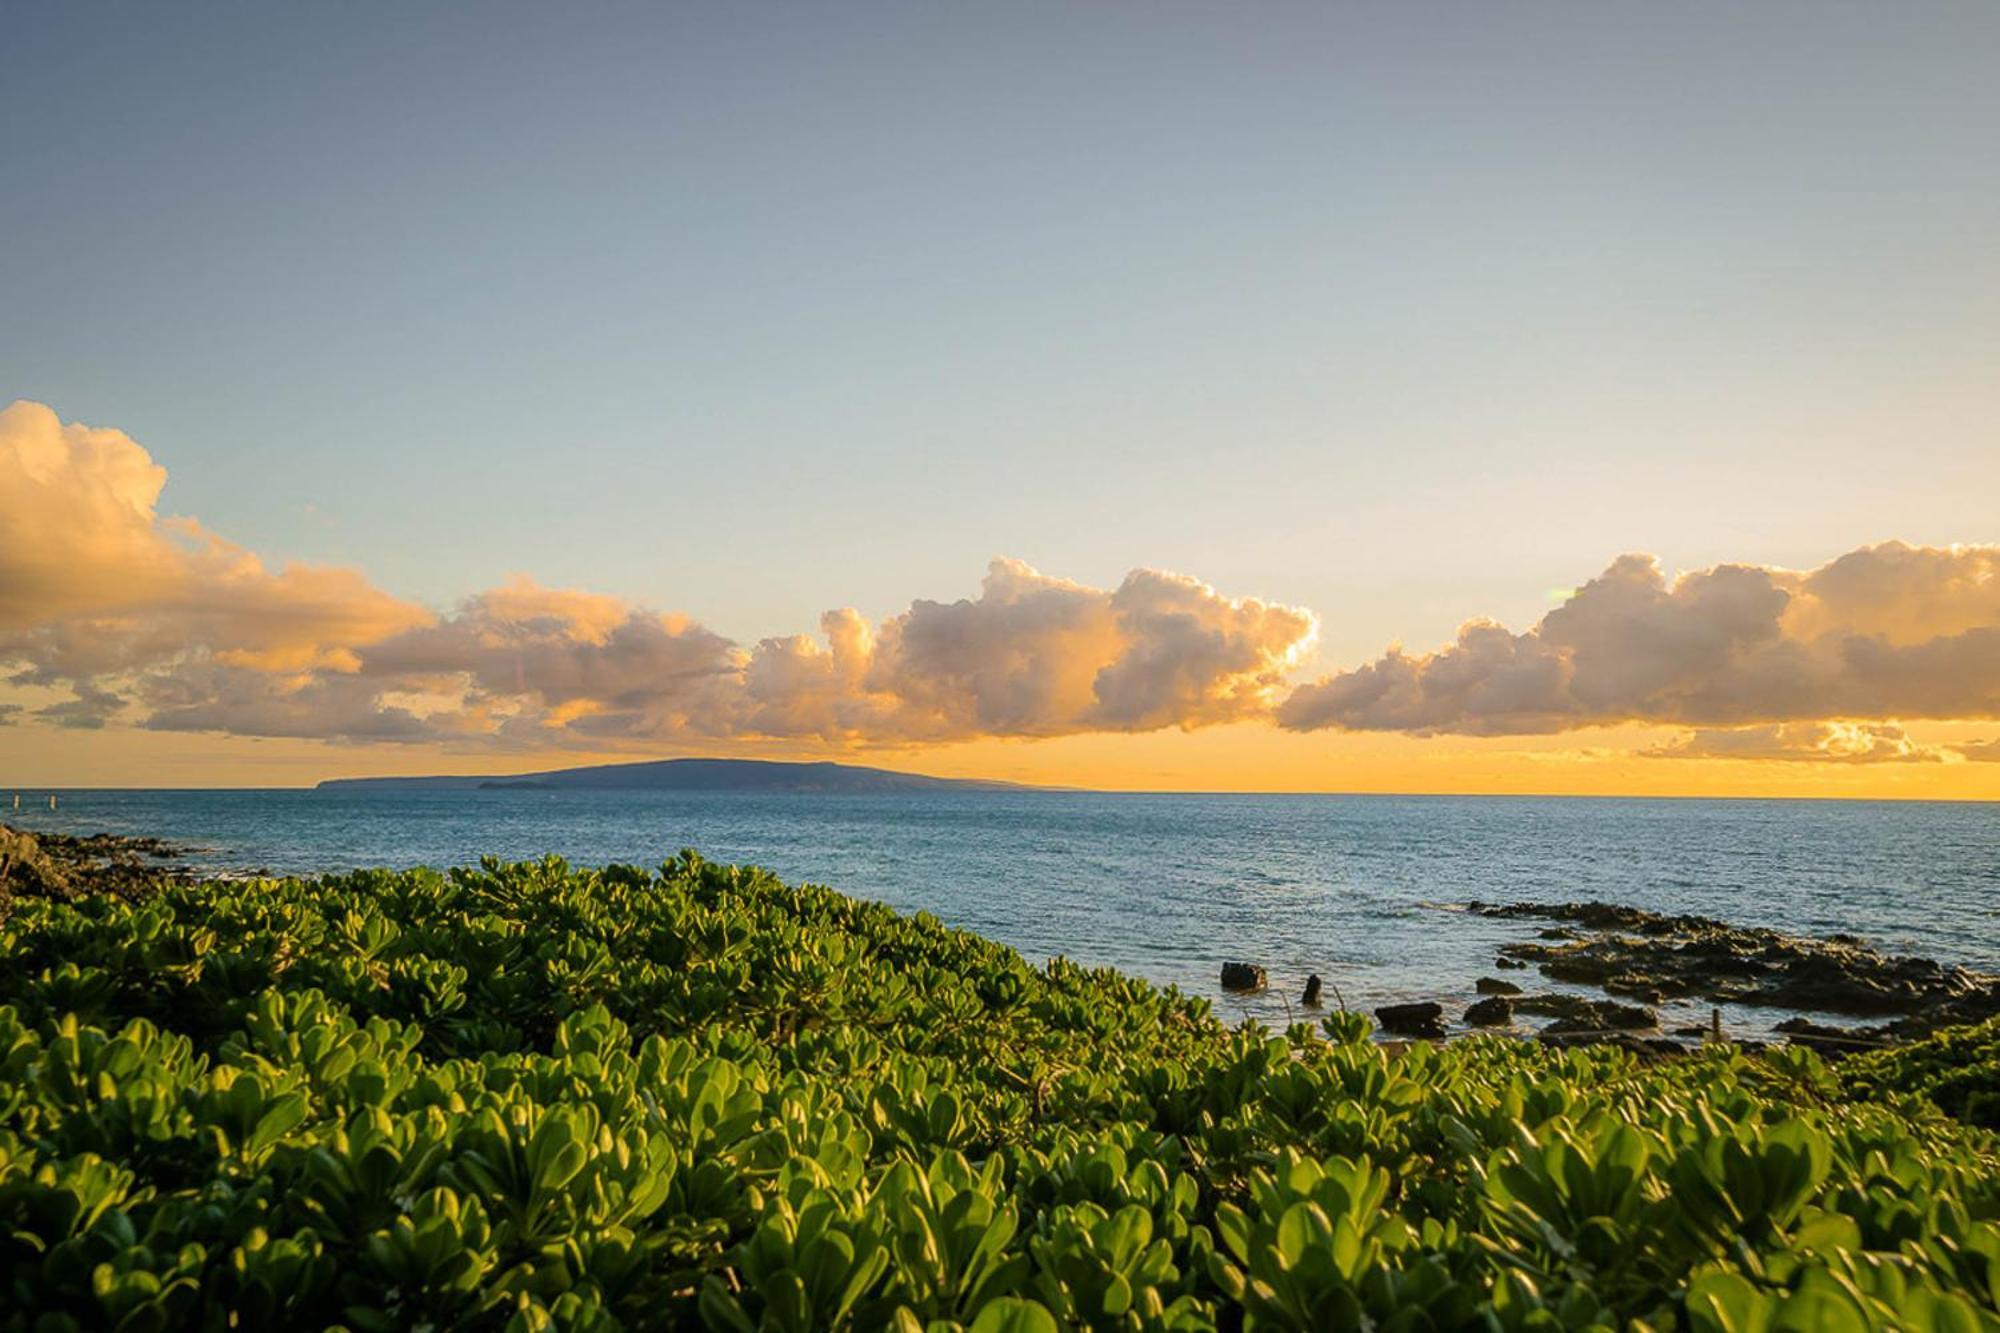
(1359, 889)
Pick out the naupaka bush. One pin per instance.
(527, 1096)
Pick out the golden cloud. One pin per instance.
(128, 609)
(1888, 631)
(161, 623)
(1807, 742)
(95, 585)
(1032, 655)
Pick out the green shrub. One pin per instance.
(529, 1097)
(1957, 1071)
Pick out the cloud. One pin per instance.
(158, 622)
(93, 582)
(161, 616)
(88, 710)
(1032, 655)
(1806, 742)
(1980, 752)
(525, 665)
(1885, 631)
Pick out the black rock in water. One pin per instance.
(1412, 1020)
(1496, 1011)
(1311, 998)
(1573, 1014)
(1495, 986)
(1242, 977)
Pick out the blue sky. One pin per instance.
(1403, 313)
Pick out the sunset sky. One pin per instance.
(1455, 398)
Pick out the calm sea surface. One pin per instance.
(1356, 888)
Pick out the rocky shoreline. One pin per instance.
(1647, 958)
(61, 865)
(1642, 961)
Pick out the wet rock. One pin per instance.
(26, 870)
(1495, 986)
(1576, 1014)
(1496, 1011)
(1579, 967)
(1829, 1040)
(1648, 1049)
(1412, 1020)
(1635, 987)
(1510, 964)
(58, 865)
(1311, 998)
(1652, 958)
(1242, 977)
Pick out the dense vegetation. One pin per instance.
(1958, 1070)
(525, 1096)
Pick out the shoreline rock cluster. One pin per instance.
(1647, 958)
(61, 865)
(1643, 960)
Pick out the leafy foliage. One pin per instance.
(526, 1097)
(1959, 1071)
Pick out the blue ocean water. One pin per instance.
(1356, 888)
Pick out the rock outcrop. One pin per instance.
(1650, 957)
(1242, 977)
(1412, 1020)
(58, 865)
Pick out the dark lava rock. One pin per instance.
(26, 870)
(1311, 998)
(1510, 964)
(1635, 987)
(1829, 1040)
(1575, 1014)
(1242, 976)
(1495, 986)
(1412, 1020)
(1652, 957)
(58, 865)
(1496, 1011)
(1580, 967)
(1646, 1048)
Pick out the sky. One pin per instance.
(1154, 391)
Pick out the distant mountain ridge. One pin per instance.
(763, 775)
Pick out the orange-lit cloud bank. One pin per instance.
(1763, 663)
(161, 624)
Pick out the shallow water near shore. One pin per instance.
(1359, 889)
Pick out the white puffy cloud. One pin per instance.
(158, 622)
(1030, 656)
(94, 583)
(1034, 655)
(129, 610)
(1889, 631)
